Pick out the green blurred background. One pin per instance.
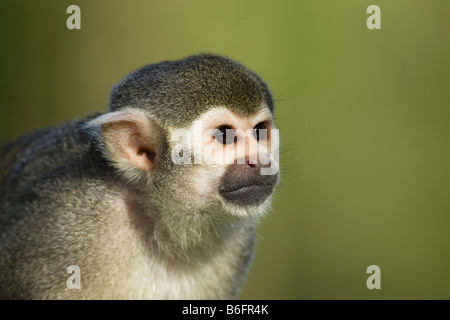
(364, 117)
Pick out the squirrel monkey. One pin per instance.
(158, 199)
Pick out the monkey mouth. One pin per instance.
(248, 195)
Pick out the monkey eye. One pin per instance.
(260, 131)
(225, 135)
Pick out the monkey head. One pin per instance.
(197, 134)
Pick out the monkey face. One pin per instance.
(223, 160)
(235, 157)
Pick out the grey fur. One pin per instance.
(64, 201)
(179, 91)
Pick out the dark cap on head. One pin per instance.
(179, 91)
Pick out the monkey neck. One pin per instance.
(183, 233)
(180, 232)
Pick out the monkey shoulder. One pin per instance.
(49, 153)
(50, 167)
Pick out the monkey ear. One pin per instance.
(129, 139)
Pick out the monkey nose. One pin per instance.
(258, 161)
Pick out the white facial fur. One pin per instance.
(200, 147)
